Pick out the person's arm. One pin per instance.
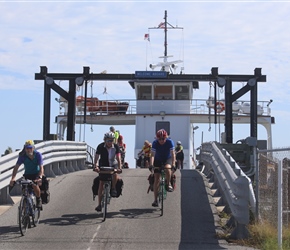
(96, 161)
(40, 163)
(41, 171)
(118, 157)
(172, 152)
(152, 158)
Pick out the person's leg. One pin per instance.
(114, 181)
(100, 192)
(168, 172)
(178, 164)
(36, 191)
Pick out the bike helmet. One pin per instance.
(109, 135)
(179, 143)
(161, 134)
(112, 129)
(29, 144)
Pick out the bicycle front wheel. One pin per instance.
(23, 216)
(105, 201)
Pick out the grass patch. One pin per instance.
(264, 236)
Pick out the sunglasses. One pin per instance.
(109, 140)
(161, 139)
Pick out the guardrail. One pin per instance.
(234, 185)
(59, 157)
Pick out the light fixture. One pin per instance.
(49, 80)
(221, 82)
(252, 82)
(162, 113)
(79, 81)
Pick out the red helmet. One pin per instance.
(161, 134)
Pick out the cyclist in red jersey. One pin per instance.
(162, 153)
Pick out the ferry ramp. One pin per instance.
(69, 221)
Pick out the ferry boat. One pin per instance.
(163, 102)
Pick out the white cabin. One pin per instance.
(164, 104)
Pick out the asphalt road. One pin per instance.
(69, 221)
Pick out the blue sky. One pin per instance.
(235, 36)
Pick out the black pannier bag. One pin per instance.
(95, 187)
(119, 187)
(44, 190)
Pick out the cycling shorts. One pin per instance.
(157, 164)
(31, 176)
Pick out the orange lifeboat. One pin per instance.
(98, 106)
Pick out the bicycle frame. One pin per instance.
(27, 211)
(162, 190)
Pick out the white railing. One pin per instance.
(59, 157)
(197, 106)
(234, 185)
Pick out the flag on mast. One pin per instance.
(161, 25)
(146, 37)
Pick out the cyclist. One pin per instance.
(122, 147)
(107, 155)
(162, 153)
(33, 168)
(116, 133)
(146, 150)
(179, 155)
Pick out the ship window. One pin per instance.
(163, 125)
(181, 93)
(163, 93)
(144, 93)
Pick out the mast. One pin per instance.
(165, 65)
(165, 35)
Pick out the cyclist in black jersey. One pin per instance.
(108, 155)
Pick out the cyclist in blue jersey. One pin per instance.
(33, 168)
(162, 153)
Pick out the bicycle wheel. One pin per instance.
(105, 201)
(161, 196)
(23, 216)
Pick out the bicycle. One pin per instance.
(28, 213)
(106, 174)
(162, 192)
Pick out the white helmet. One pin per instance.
(179, 143)
(109, 135)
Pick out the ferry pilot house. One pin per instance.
(164, 92)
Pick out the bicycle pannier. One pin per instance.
(44, 190)
(95, 186)
(45, 184)
(45, 196)
(119, 187)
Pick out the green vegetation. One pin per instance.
(8, 151)
(264, 236)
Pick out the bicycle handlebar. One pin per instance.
(108, 170)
